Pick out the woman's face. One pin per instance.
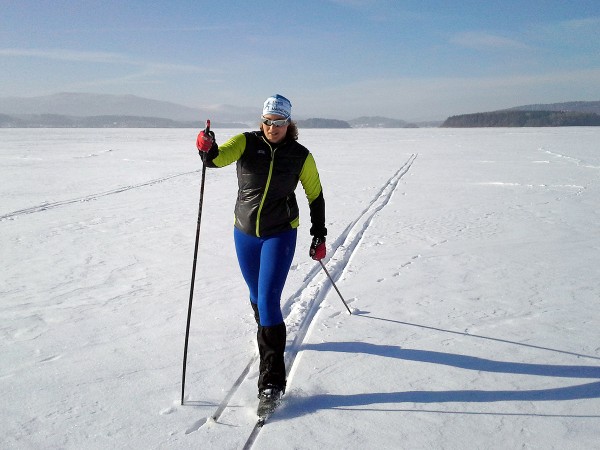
(274, 134)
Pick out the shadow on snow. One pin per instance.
(296, 406)
(460, 361)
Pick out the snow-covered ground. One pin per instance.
(469, 257)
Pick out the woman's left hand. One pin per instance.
(317, 248)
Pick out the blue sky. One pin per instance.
(333, 58)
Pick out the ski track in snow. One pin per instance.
(88, 198)
(300, 314)
(576, 161)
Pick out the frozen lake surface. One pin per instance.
(469, 256)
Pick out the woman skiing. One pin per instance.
(270, 162)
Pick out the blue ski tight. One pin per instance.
(265, 263)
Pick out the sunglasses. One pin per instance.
(276, 123)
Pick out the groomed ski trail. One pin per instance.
(318, 286)
(345, 248)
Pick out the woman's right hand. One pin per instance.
(205, 141)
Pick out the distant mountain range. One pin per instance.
(81, 110)
(107, 121)
(91, 105)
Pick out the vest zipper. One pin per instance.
(262, 201)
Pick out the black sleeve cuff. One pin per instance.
(317, 216)
(207, 157)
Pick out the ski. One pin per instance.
(261, 421)
(264, 412)
(263, 417)
(253, 435)
(269, 400)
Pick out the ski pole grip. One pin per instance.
(207, 128)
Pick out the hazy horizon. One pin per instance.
(413, 60)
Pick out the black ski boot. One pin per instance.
(271, 380)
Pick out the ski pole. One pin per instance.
(189, 314)
(335, 287)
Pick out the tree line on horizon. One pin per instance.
(513, 118)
